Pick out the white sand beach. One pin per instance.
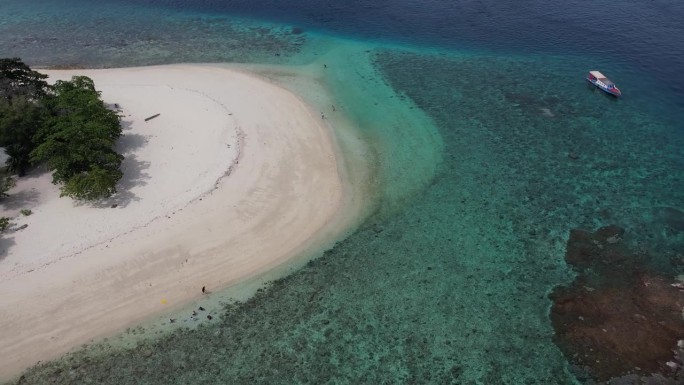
(233, 178)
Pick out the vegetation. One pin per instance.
(6, 183)
(4, 224)
(21, 111)
(77, 141)
(67, 127)
(19, 121)
(18, 80)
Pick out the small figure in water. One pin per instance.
(201, 308)
(209, 317)
(325, 65)
(334, 107)
(172, 320)
(204, 289)
(322, 116)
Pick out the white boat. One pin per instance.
(603, 83)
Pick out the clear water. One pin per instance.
(472, 109)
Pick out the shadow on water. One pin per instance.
(607, 96)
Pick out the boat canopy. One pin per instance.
(598, 75)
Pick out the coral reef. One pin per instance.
(618, 317)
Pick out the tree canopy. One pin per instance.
(77, 141)
(19, 122)
(67, 127)
(18, 79)
(21, 111)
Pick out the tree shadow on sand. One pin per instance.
(133, 175)
(24, 199)
(5, 244)
(133, 170)
(129, 143)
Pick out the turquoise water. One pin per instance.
(485, 155)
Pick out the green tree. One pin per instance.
(6, 183)
(17, 79)
(19, 123)
(21, 111)
(4, 224)
(77, 141)
(94, 184)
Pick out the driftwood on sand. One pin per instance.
(151, 117)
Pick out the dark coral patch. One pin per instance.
(617, 317)
(672, 218)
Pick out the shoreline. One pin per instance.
(279, 199)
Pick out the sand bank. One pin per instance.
(234, 177)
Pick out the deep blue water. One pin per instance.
(449, 282)
(637, 41)
(648, 35)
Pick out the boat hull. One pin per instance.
(609, 91)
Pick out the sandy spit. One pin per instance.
(236, 176)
